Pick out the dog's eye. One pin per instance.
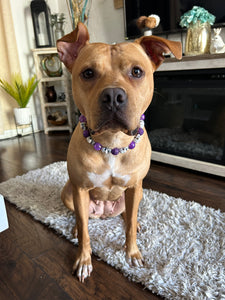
(88, 74)
(137, 72)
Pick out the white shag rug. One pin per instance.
(183, 243)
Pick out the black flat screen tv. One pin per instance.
(169, 12)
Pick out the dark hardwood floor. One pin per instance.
(35, 263)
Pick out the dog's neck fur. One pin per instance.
(115, 150)
(112, 139)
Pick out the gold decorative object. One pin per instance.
(198, 21)
(52, 66)
(198, 39)
(79, 11)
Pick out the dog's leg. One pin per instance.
(124, 216)
(133, 197)
(82, 264)
(67, 195)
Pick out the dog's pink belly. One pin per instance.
(104, 209)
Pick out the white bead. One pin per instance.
(84, 128)
(142, 124)
(137, 139)
(123, 150)
(106, 150)
(89, 139)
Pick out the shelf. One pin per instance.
(197, 57)
(57, 128)
(65, 87)
(48, 79)
(55, 104)
(206, 61)
(41, 51)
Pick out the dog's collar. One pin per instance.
(114, 151)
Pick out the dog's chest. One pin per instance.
(113, 175)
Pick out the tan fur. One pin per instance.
(95, 176)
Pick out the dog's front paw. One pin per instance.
(82, 266)
(134, 257)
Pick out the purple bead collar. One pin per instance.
(114, 151)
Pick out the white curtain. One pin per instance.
(9, 63)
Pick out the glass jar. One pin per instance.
(59, 31)
(198, 39)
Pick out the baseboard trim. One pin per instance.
(188, 163)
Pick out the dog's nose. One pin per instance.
(113, 99)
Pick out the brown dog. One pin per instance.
(109, 155)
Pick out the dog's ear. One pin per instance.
(69, 46)
(155, 47)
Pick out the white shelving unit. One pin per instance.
(65, 86)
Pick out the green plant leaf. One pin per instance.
(19, 90)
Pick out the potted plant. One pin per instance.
(21, 91)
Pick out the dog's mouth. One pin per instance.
(114, 125)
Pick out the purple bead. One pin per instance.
(143, 117)
(115, 151)
(97, 146)
(86, 133)
(132, 145)
(140, 131)
(82, 119)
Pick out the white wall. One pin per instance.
(105, 25)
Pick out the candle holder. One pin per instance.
(41, 22)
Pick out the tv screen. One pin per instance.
(169, 12)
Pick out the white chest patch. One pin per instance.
(98, 179)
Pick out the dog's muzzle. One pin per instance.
(113, 116)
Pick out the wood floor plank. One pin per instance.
(21, 278)
(32, 237)
(192, 186)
